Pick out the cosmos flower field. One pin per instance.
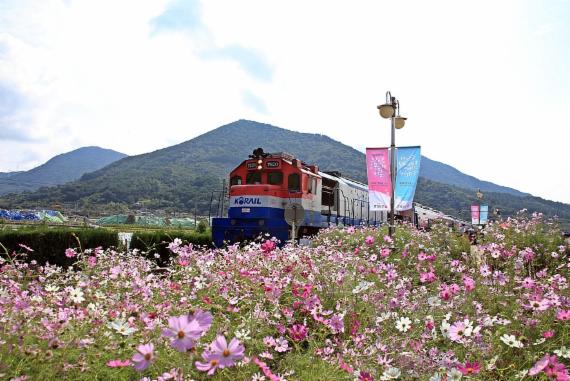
(354, 305)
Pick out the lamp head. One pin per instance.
(386, 110)
(399, 122)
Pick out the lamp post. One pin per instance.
(391, 110)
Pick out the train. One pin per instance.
(263, 186)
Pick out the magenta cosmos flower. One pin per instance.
(369, 240)
(298, 332)
(144, 357)
(469, 368)
(221, 355)
(183, 332)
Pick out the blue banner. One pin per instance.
(484, 211)
(407, 173)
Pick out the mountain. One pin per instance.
(59, 170)
(189, 175)
(4, 175)
(446, 174)
(456, 201)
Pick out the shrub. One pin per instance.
(49, 245)
(155, 244)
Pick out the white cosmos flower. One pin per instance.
(511, 341)
(243, 334)
(51, 288)
(121, 327)
(362, 286)
(435, 377)
(383, 316)
(391, 373)
(563, 352)
(434, 301)
(454, 375)
(76, 295)
(445, 328)
(403, 324)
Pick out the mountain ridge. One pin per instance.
(183, 176)
(60, 169)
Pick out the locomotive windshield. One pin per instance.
(275, 178)
(236, 180)
(253, 178)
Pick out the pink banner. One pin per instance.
(475, 214)
(379, 182)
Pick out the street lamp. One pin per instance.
(391, 110)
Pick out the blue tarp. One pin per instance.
(26, 215)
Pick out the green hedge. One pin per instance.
(49, 245)
(157, 242)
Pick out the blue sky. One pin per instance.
(485, 84)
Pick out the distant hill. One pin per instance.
(59, 169)
(443, 173)
(4, 175)
(183, 176)
(456, 201)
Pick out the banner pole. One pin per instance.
(392, 227)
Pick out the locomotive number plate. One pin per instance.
(245, 210)
(272, 164)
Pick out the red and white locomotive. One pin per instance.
(262, 186)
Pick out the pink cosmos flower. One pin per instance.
(485, 270)
(527, 283)
(281, 345)
(268, 246)
(70, 253)
(183, 332)
(457, 331)
(203, 318)
(92, 261)
(548, 334)
(298, 332)
(539, 366)
(563, 315)
(369, 240)
(25, 247)
(469, 283)
(144, 357)
(336, 324)
(555, 370)
(469, 368)
(118, 363)
(427, 277)
(221, 355)
(263, 366)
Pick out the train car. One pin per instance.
(262, 186)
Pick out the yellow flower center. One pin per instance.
(214, 362)
(181, 334)
(226, 352)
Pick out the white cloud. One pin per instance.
(484, 91)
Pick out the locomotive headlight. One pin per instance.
(260, 161)
(259, 167)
